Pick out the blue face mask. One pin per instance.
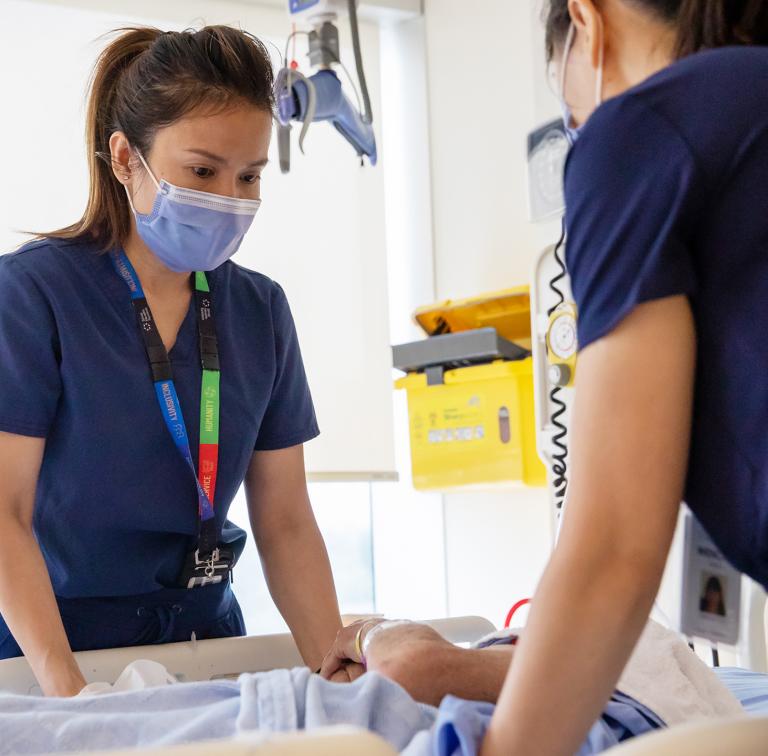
(190, 230)
(571, 131)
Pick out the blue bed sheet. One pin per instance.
(751, 688)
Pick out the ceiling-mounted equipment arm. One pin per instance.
(320, 97)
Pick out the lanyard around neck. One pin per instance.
(165, 389)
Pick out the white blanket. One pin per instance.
(667, 677)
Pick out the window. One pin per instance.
(343, 512)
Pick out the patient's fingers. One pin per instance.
(354, 670)
(348, 673)
(343, 650)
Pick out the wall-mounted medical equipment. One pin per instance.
(562, 345)
(553, 314)
(320, 97)
(547, 150)
(470, 394)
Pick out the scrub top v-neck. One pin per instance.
(116, 506)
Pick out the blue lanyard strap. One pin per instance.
(165, 389)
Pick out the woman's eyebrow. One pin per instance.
(206, 154)
(223, 161)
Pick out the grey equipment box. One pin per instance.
(456, 350)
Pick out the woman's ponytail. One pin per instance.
(700, 24)
(106, 220)
(706, 24)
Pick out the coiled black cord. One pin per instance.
(559, 439)
(553, 284)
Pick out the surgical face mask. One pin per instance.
(571, 131)
(190, 230)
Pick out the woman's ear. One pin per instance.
(120, 151)
(589, 28)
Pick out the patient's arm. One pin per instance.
(429, 667)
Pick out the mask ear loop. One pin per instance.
(149, 171)
(151, 175)
(600, 69)
(569, 39)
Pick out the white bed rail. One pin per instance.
(209, 659)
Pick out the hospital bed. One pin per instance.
(222, 658)
(228, 657)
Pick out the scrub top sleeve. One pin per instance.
(633, 191)
(29, 354)
(289, 419)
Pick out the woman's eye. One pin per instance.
(251, 178)
(201, 172)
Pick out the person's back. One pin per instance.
(694, 138)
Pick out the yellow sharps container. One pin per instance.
(470, 394)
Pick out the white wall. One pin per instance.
(485, 66)
(408, 527)
(320, 232)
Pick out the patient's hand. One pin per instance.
(345, 648)
(425, 664)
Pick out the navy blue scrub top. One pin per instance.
(667, 194)
(116, 505)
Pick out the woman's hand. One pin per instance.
(64, 685)
(346, 649)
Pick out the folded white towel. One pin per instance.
(667, 677)
(138, 675)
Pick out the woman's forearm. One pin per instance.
(29, 608)
(298, 573)
(565, 671)
(630, 436)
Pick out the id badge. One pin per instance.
(200, 570)
(711, 600)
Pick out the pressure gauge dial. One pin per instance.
(562, 345)
(562, 336)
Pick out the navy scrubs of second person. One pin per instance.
(116, 491)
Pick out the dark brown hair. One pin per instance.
(701, 24)
(146, 79)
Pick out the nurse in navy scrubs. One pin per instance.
(667, 246)
(145, 377)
